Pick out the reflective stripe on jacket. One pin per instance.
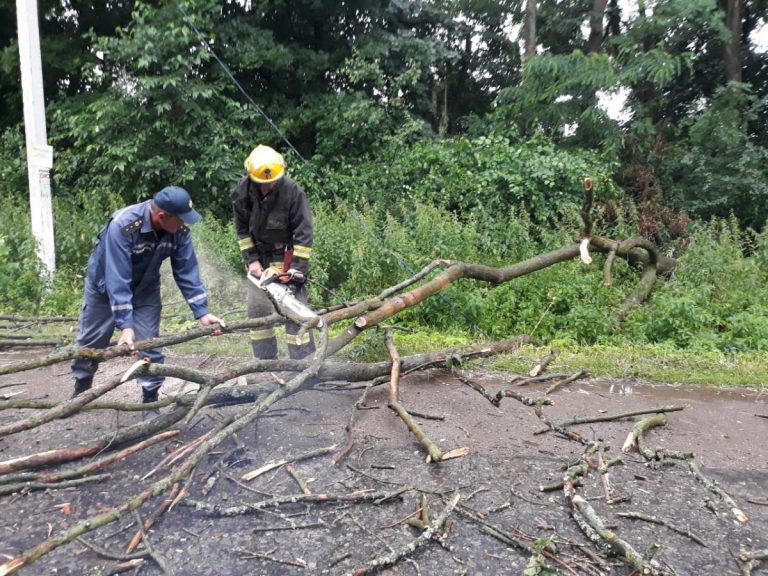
(267, 225)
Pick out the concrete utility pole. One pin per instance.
(39, 154)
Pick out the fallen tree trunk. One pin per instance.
(98, 355)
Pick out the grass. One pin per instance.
(658, 363)
(651, 362)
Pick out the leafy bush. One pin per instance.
(64, 296)
(717, 297)
(20, 282)
(468, 175)
(219, 241)
(13, 164)
(78, 219)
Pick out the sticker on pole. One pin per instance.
(41, 156)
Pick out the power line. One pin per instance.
(228, 72)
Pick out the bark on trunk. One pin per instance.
(529, 30)
(733, 45)
(595, 42)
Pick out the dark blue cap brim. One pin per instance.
(191, 217)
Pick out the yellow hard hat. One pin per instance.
(264, 164)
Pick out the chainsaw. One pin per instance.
(282, 296)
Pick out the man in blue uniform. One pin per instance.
(122, 284)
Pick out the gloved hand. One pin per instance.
(269, 272)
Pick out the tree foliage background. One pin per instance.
(421, 129)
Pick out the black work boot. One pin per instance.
(148, 396)
(81, 385)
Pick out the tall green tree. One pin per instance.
(438, 61)
(158, 113)
(67, 32)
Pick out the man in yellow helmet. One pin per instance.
(274, 231)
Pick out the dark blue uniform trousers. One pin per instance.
(97, 325)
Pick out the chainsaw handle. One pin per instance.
(275, 277)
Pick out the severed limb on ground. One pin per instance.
(272, 465)
(277, 501)
(639, 429)
(560, 383)
(655, 520)
(30, 486)
(543, 364)
(435, 454)
(476, 387)
(514, 540)
(520, 381)
(119, 406)
(603, 469)
(619, 545)
(381, 310)
(98, 355)
(363, 305)
(425, 536)
(112, 555)
(7, 342)
(635, 438)
(611, 417)
(537, 405)
(349, 428)
(38, 319)
(62, 410)
(715, 488)
(594, 527)
(647, 279)
(133, 433)
(750, 560)
(152, 518)
(154, 553)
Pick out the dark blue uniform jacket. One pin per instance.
(125, 264)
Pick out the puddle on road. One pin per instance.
(610, 387)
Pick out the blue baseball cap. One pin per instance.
(176, 201)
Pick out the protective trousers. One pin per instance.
(263, 341)
(97, 326)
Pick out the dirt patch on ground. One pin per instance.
(499, 479)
